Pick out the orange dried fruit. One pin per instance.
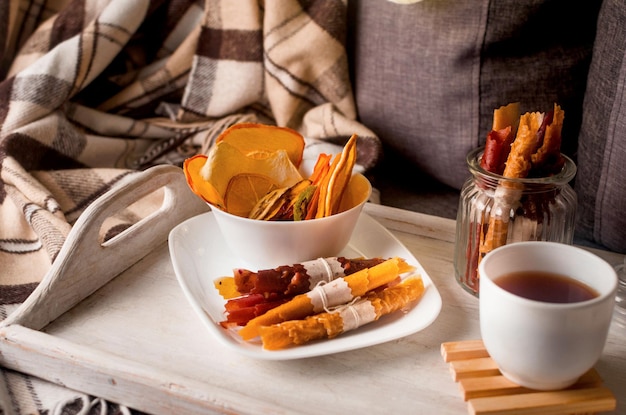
(252, 171)
(207, 192)
(506, 116)
(336, 179)
(358, 189)
(257, 175)
(252, 138)
(341, 177)
(244, 190)
(321, 168)
(227, 287)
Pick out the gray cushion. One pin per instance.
(427, 76)
(601, 180)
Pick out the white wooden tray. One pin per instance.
(112, 321)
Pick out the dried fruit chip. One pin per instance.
(340, 178)
(279, 204)
(268, 204)
(244, 190)
(289, 200)
(260, 175)
(505, 116)
(302, 201)
(192, 167)
(336, 180)
(358, 189)
(260, 138)
(251, 171)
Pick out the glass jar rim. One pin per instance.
(564, 176)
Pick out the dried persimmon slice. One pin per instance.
(262, 138)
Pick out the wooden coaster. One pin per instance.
(487, 392)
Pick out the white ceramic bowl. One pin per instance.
(544, 345)
(267, 244)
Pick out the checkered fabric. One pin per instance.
(94, 90)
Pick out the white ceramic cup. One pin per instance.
(543, 345)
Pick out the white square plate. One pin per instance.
(199, 256)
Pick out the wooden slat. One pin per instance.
(475, 387)
(470, 349)
(570, 401)
(471, 368)
(487, 392)
(478, 387)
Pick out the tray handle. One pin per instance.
(84, 264)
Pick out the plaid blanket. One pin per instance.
(94, 90)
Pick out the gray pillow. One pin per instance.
(600, 183)
(427, 76)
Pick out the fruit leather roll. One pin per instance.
(290, 280)
(345, 318)
(334, 293)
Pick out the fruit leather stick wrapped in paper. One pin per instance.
(290, 280)
(337, 292)
(250, 294)
(344, 318)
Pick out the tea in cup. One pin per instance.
(545, 311)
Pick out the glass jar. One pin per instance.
(494, 211)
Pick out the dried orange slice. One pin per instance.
(244, 190)
(260, 138)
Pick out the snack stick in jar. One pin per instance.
(548, 157)
(344, 318)
(323, 296)
(517, 165)
(500, 138)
